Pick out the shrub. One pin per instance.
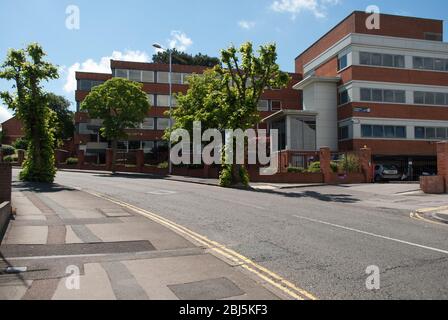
(72, 161)
(21, 144)
(11, 158)
(225, 177)
(314, 167)
(8, 150)
(163, 165)
(296, 170)
(349, 163)
(244, 176)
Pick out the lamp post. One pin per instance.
(158, 46)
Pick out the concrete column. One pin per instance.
(20, 157)
(366, 164)
(109, 158)
(325, 164)
(442, 161)
(81, 158)
(5, 182)
(140, 160)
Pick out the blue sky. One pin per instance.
(126, 29)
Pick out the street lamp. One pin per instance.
(160, 47)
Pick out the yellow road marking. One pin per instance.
(270, 277)
(426, 210)
(416, 216)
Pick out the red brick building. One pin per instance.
(385, 88)
(11, 131)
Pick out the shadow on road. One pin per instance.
(339, 198)
(39, 187)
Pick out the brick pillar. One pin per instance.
(206, 172)
(81, 157)
(325, 164)
(109, 157)
(366, 164)
(5, 182)
(20, 157)
(442, 161)
(140, 160)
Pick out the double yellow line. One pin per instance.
(270, 277)
(418, 215)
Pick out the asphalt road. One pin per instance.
(322, 238)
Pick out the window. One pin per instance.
(163, 100)
(148, 76)
(380, 131)
(343, 62)
(380, 95)
(151, 99)
(164, 77)
(276, 105)
(431, 98)
(148, 146)
(263, 105)
(344, 97)
(87, 85)
(428, 63)
(163, 123)
(425, 63)
(176, 78)
(121, 73)
(135, 75)
(148, 124)
(418, 63)
(384, 60)
(431, 133)
(439, 64)
(343, 133)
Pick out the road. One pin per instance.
(322, 239)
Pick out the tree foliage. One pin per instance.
(64, 126)
(121, 104)
(183, 58)
(227, 96)
(27, 68)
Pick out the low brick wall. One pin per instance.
(349, 178)
(5, 216)
(433, 184)
(288, 177)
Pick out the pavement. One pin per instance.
(315, 241)
(60, 233)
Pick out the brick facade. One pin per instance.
(12, 130)
(5, 182)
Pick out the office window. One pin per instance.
(388, 60)
(343, 133)
(419, 97)
(344, 97)
(376, 59)
(440, 98)
(378, 131)
(263, 105)
(439, 64)
(135, 75)
(420, 133)
(177, 78)
(366, 94)
(163, 100)
(384, 60)
(276, 105)
(418, 63)
(399, 62)
(400, 132)
(441, 133)
(150, 99)
(428, 63)
(425, 63)
(389, 96)
(163, 77)
(148, 124)
(121, 73)
(148, 76)
(389, 131)
(400, 96)
(430, 133)
(84, 85)
(377, 95)
(366, 131)
(430, 98)
(343, 62)
(163, 123)
(364, 58)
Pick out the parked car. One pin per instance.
(387, 172)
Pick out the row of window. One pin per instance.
(269, 105)
(155, 124)
(152, 76)
(146, 146)
(380, 131)
(383, 95)
(87, 85)
(161, 100)
(431, 133)
(431, 98)
(430, 64)
(383, 60)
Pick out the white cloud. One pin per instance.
(180, 41)
(101, 66)
(5, 113)
(246, 24)
(317, 7)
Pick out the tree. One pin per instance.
(227, 96)
(185, 58)
(27, 68)
(64, 126)
(121, 104)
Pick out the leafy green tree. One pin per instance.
(227, 96)
(64, 126)
(185, 58)
(27, 68)
(121, 104)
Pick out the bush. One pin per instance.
(225, 177)
(8, 150)
(314, 167)
(244, 176)
(72, 161)
(350, 163)
(163, 165)
(296, 170)
(21, 144)
(11, 158)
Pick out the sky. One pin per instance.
(126, 30)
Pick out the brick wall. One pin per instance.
(5, 182)
(13, 130)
